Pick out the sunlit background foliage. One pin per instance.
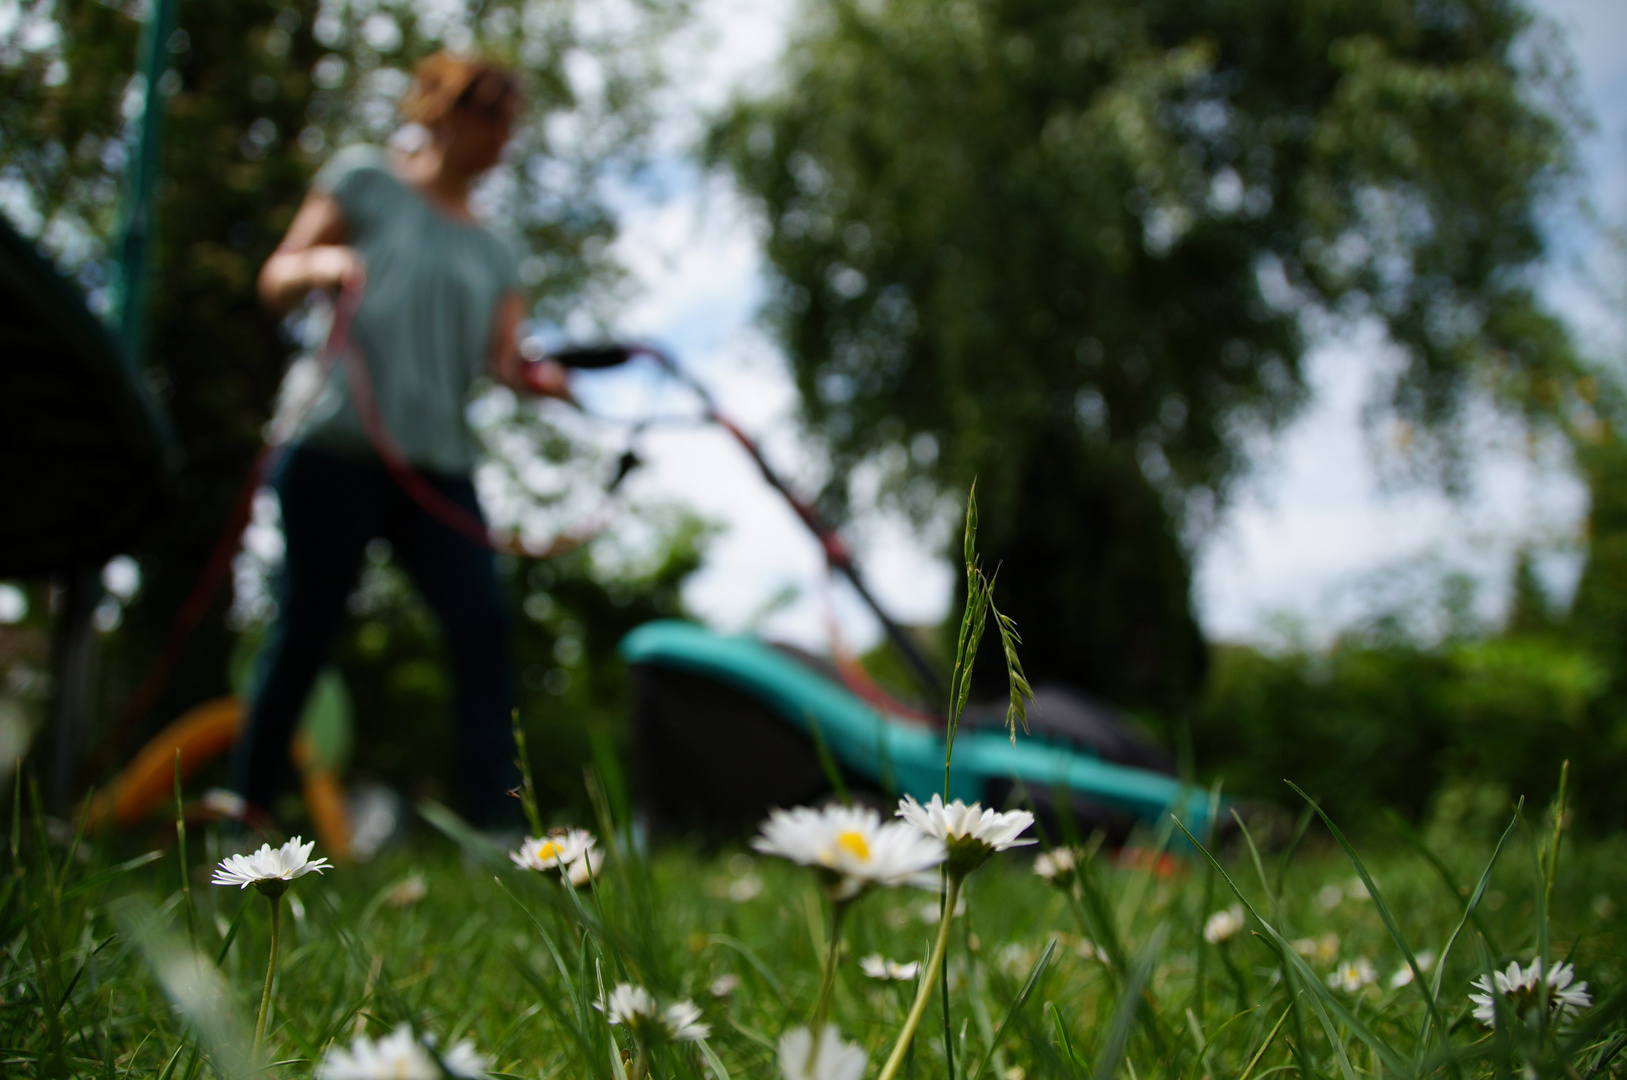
(1078, 251)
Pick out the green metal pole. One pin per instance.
(130, 312)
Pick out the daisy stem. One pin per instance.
(929, 979)
(827, 986)
(271, 971)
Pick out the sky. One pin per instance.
(1315, 538)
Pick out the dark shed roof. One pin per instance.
(84, 447)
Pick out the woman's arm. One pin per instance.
(312, 255)
(513, 370)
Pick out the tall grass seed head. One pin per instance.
(270, 870)
(970, 833)
(560, 847)
(831, 1059)
(1522, 991)
(850, 846)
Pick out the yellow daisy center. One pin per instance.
(853, 843)
(548, 850)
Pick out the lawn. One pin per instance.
(111, 968)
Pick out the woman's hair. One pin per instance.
(443, 79)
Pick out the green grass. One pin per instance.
(94, 961)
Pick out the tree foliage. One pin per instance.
(1079, 250)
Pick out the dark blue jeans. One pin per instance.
(331, 508)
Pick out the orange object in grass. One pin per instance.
(196, 736)
(199, 734)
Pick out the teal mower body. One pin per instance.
(730, 726)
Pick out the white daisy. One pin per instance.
(970, 833)
(635, 1007)
(1351, 975)
(1322, 949)
(1014, 959)
(725, 984)
(743, 889)
(931, 911)
(850, 846)
(628, 1004)
(560, 847)
(407, 892)
(463, 1061)
(1403, 974)
(269, 869)
(226, 804)
(832, 1059)
(1223, 924)
(397, 1056)
(585, 869)
(1057, 866)
(877, 966)
(682, 1020)
(1521, 991)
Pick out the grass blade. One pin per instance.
(827, 760)
(1017, 1003)
(1416, 842)
(1384, 912)
(1254, 857)
(712, 1060)
(1069, 1058)
(1260, 1053)
(618, 1068)
(1474, 900)
(1124, 1014)
(231, 935)
(1327, 1007)
(478, 847)
(751, 958)
(174, 1059)
(195, 986)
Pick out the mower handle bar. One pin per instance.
(837, 555)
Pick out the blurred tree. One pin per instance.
(1529, 611)
(259, 93)
(1371, 724)
(1078, 250)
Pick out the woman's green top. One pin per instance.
(424, 326)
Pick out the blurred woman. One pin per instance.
(440, 307)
